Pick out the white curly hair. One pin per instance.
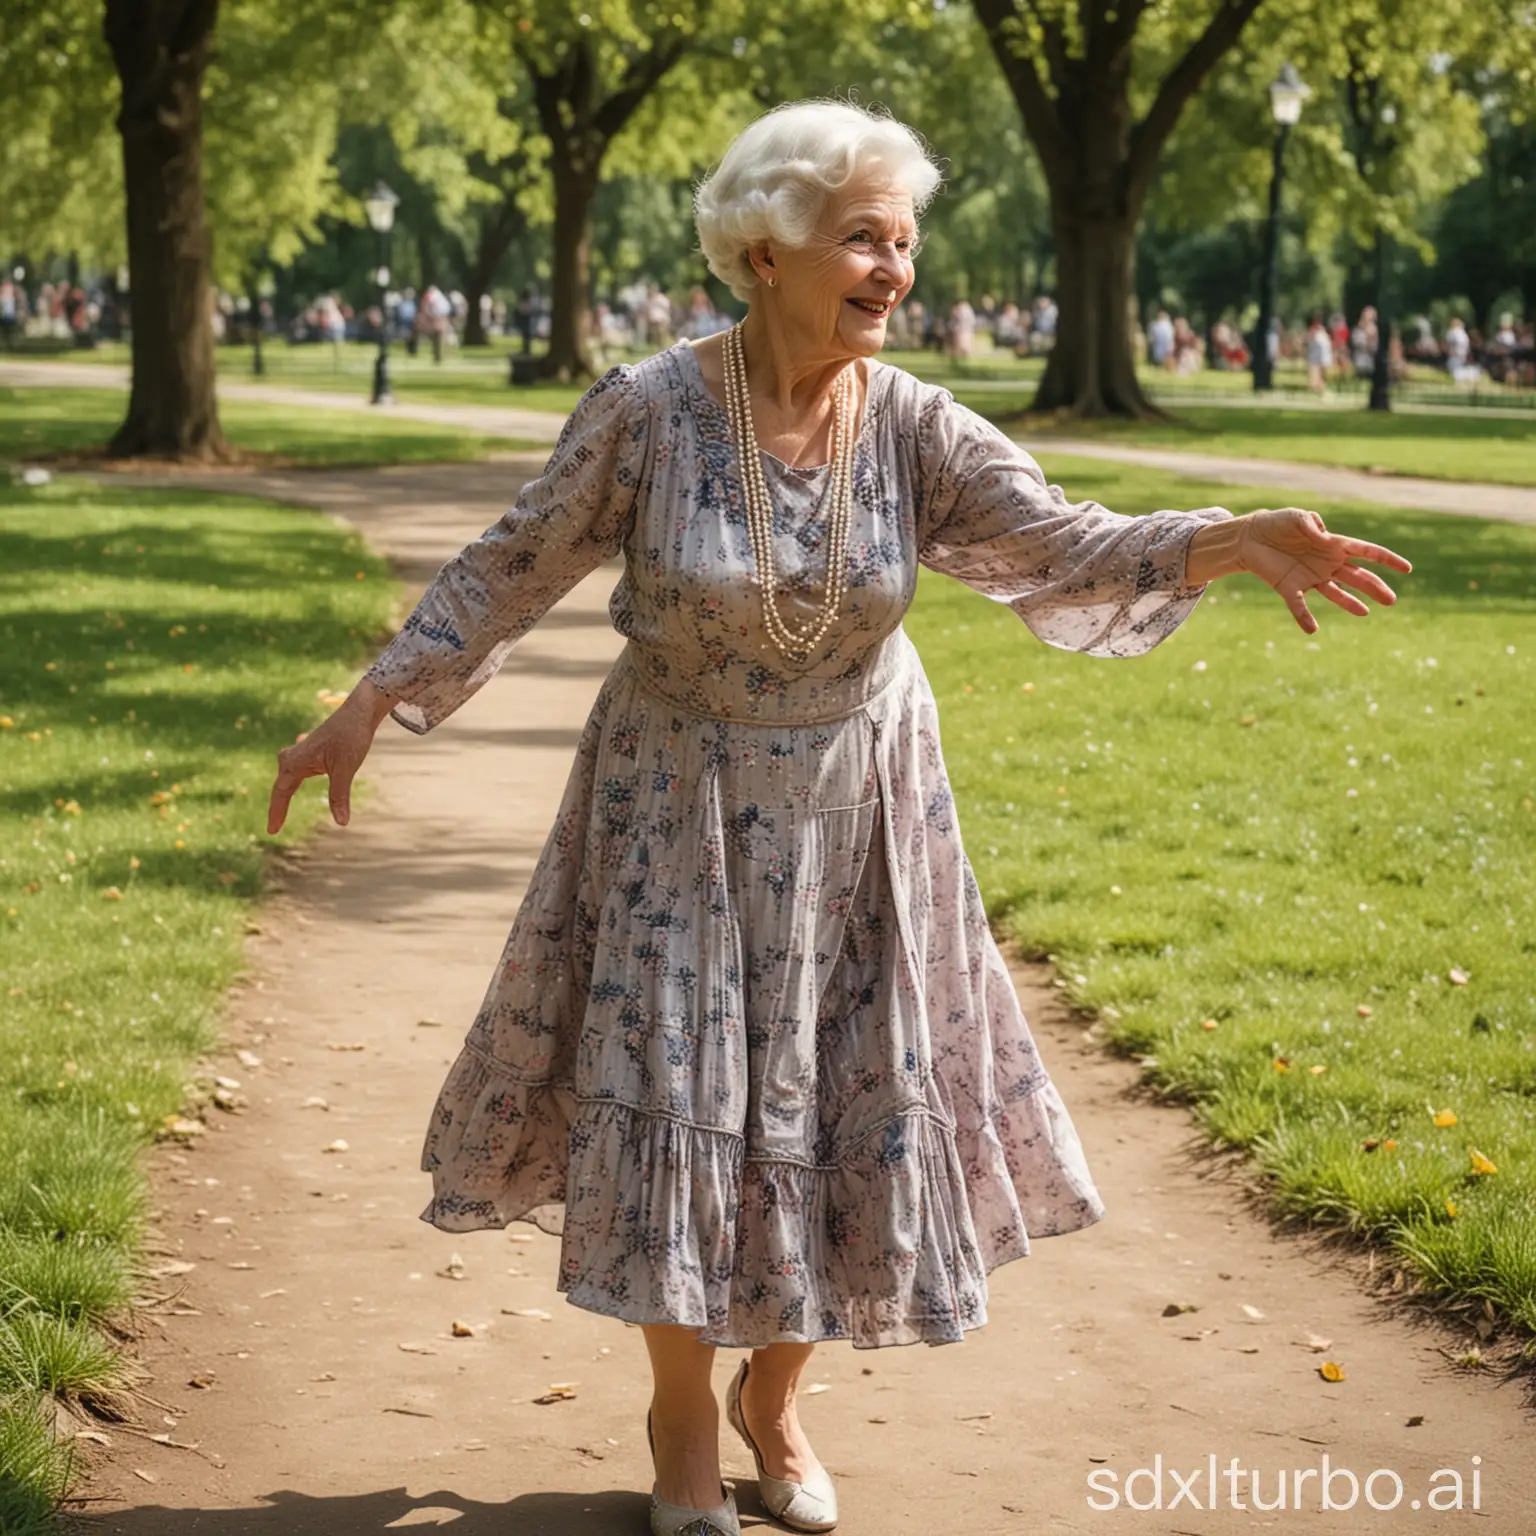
(773, 181)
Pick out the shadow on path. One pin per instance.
(611, 1513)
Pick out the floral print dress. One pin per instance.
(751, 1048)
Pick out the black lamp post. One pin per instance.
(381, 204)
(1286, 95)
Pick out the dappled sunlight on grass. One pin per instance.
(1297, 877)
(51, 421)
(159, 647)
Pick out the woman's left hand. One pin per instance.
(1292, 551)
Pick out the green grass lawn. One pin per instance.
(1312, 843)
(159, 647)
(51, 421)
(1442, 447)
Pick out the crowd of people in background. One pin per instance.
(65, 311)
(1334, 351)
(642, 317)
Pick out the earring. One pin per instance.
(773, 282)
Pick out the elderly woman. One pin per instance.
(750, 1030)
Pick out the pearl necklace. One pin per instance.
(795, 641)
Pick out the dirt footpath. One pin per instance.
(314, 1382)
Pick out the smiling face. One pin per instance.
(833, 295)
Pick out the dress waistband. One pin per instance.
(779, 706)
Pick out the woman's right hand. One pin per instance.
(335, 749)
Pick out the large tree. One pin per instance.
(1070, 69)
(589, 71)
(160, 50)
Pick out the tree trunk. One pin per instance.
(1381, 373)
(569, 356)
(161, 50)
(474, 327)
(497, 232)
(1090, 371)
(1098, 159)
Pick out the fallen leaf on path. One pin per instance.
(429, 1023)
(964, 1417)
(1330, 1370)
(410, 1413)
(324, 1376)
(1253, 1312)
(268, 1295)
(462, 1330)
(204, 1382)
(350, 1045)
(248, 1059)
(454, 1271)
(815, 1387)
(1248, 1349)
(877, 1421)
(1174, 1308)
(175, 1267)
(315, 1102)
(1314, 1343)
(1414, 1420)
(240, 1264)
(537, 1312)
(417, 1349)
(336, 1146)
(149, 1477)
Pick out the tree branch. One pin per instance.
(1179, 85)
(1041, 119)
(641, 77)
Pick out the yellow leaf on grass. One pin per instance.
(1450, 1206)
(1282, 1063)
(1445, 1118)
(1481, 1164)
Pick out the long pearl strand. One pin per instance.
(798, 640)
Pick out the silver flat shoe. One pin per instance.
(678, 1520)
(807, 1506)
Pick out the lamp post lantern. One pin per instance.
(1286, 95)
(380, 205)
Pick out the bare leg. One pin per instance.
(685, 1418)
(768, 1406)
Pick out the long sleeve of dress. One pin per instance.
(490, 594)
(1081, 577)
